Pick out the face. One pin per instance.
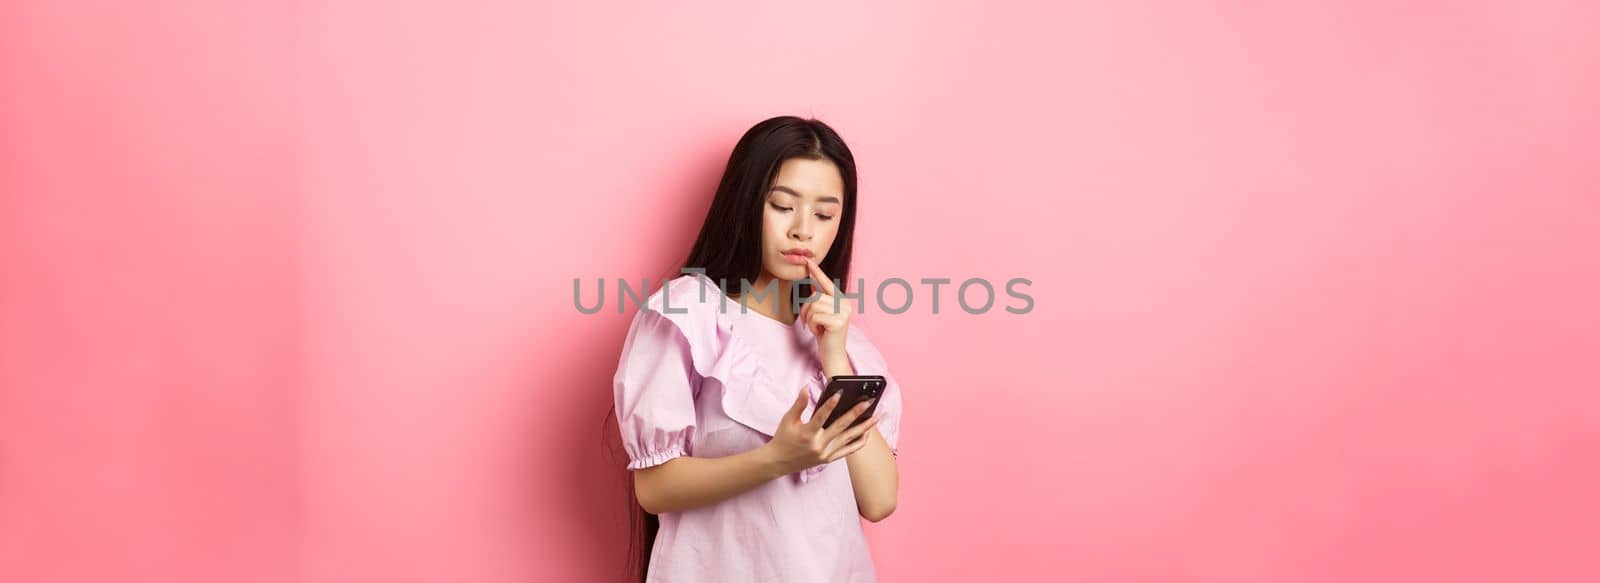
(801, 216)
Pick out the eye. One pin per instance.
(824, 217)
(780, 208)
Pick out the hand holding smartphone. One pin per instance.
(853, 389)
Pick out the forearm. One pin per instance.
(685, 482)
(874, 477)
(873, 474)
(837, 367)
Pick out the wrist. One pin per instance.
(772, 466)
(837, 367)
(832, 352)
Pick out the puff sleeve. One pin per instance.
(654, 391)
(867, 360)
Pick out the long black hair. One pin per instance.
(729, 245)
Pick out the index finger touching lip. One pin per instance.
(822, 278)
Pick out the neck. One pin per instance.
(776, 304)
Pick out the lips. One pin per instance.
(796, 256)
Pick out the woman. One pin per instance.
(717, 387)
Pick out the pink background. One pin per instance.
(285, 291)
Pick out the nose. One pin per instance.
(800, 229)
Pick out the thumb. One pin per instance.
(799, 405)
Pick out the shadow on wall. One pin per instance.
(587, 464)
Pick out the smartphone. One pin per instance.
(853, 389)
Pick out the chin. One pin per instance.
(787, 271)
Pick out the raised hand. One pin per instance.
(830, 325)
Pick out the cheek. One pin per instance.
(774, 234)
(828, 234)
(771, 228)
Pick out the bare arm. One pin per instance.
(684, 483)
(875, 478)
(873, 474)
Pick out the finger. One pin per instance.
(823, 283)
(838, 307)
(822, 413)
(848, 449)
(822, 317)
(819, 324)
(852, 433)
(825, 302)
(799, 405)
(844, 421)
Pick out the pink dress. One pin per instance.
(698, 377)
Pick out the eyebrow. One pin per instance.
(791, 191)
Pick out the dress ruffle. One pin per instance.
(750, 395)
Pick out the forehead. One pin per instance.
(811, 178)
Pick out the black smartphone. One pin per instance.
(853, 389)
